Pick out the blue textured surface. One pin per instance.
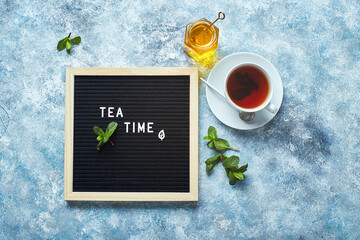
(304, 169)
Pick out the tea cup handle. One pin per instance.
(271, 108)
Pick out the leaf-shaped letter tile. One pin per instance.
(161, 135)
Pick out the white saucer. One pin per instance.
(222, 109)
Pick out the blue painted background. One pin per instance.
(304, 166)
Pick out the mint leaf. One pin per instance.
(231, 162)
(110, 129)
(209, 167)
(232, 178)
(76, 40)
(243, 168)
(65, 43)
(100, 144)
(98, 131)
(104, 137)
(215, 159)
(61, 44)
(207, 138)
(211, 144)
(221, 144)
(212, 132)
(238, 175)
(100, 137)
(211, 162)
(68, 45)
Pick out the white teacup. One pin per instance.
(265, 105)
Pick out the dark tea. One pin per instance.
(248, 86)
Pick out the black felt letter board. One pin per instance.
(139, 162)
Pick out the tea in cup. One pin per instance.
(249, 88)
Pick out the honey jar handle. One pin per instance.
(221, 16)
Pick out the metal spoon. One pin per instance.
(221, 16)
(245, 116)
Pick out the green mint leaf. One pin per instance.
(221, 144)
(215, 159)
(98, 131)
(110, 129)
(212, 132)
(209, 167)
(100, 137)
(104, 137)
(207, 138)
(76, 40)
(238, 175)
(211, 162)
(211, 144)
(62, 44)
(243, 168)
(232, 178)
(68, 45)
(100, 144)
(231, 163)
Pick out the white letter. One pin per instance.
(161, 135)
(119, 112)
(110, 111)
(149, 128)
(141, 127)
(127, 126)
(133, 127)
(102, 111)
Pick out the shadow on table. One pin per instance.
(138, 205)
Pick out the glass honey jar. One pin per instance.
(201, 38)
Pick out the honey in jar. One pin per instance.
(201, 39)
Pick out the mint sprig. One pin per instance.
(66, 43)
(216, 143)
(230, 164)
(104, 137)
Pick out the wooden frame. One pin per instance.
(69, 194)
